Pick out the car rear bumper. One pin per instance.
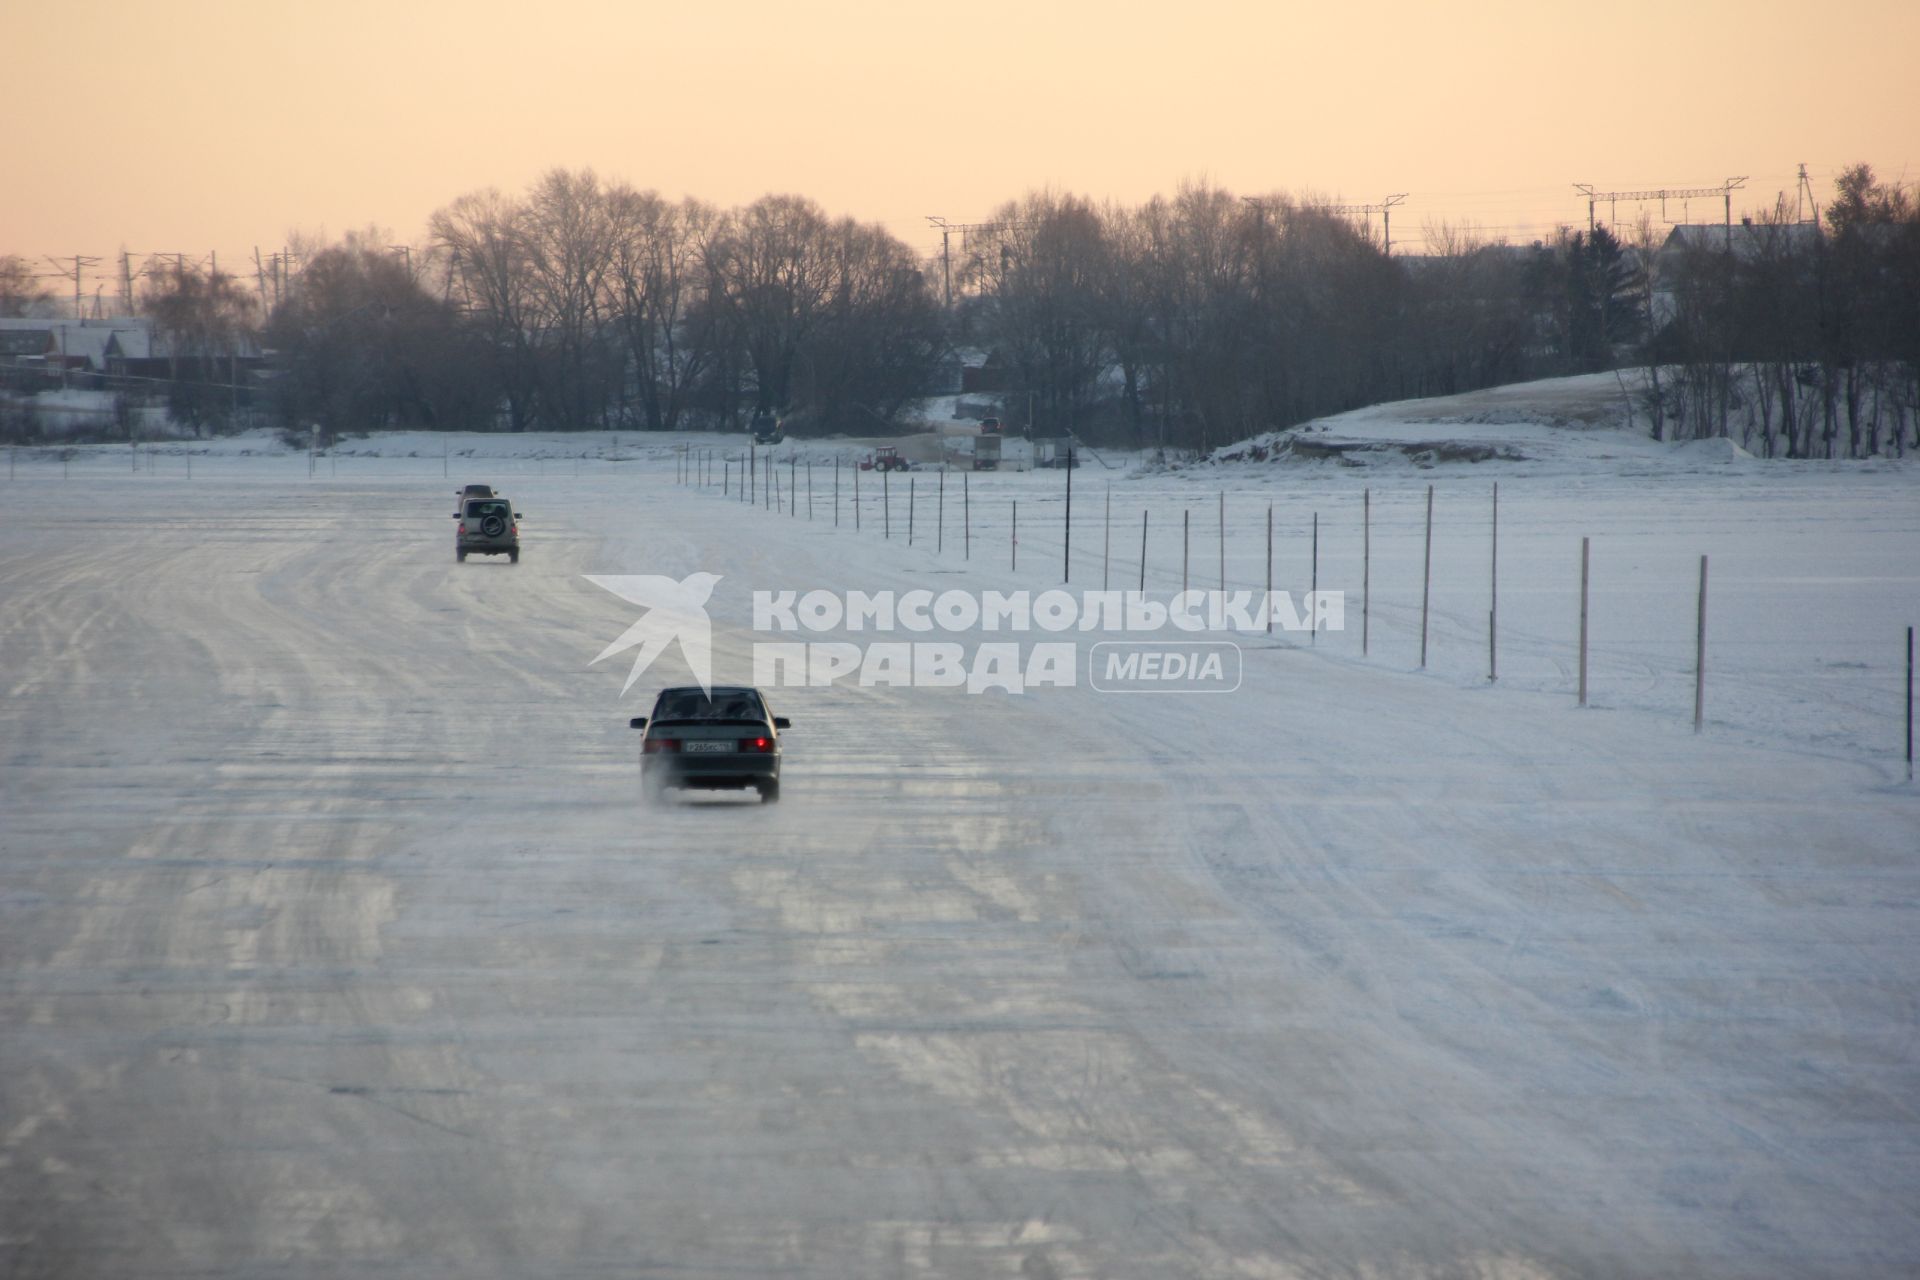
(710, 771)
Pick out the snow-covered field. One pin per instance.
(333, 939)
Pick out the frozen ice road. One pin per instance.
(334, 939)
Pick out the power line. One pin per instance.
(1663, 194)
(1386, 218)
(77, 274)
(1384, 208)
(965, 229)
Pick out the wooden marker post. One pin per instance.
(1066, 525)
(1700, 653)
(1586, 546)
(1313, 587)
(1493, 580)
(1426, 579)
(1106, 541)
(1186, 547)
(1269, 602)
(1143, 551)
(1223, 542)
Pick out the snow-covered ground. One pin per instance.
(334, 939)
(1587, 422)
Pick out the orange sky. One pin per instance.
(190, 125)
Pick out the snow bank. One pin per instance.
(1588, 422)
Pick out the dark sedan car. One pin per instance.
(696, 739)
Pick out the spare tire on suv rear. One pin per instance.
(488, 527)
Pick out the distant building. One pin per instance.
(24, 342)
(1746, 240)
(944, 380)
(981, 373)
(81, 346)
(120, 347)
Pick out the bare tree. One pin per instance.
(773, 270)
(659, 280)
(874, 349)
(1044, 275)
(203, 316)
(367, 346)
(482, 236)
(21, 290)
(568, 250)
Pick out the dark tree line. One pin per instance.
(599, 306)
(1183, 321)
(1204, 318)
(1799, 344)
(366, 346)
(582, 305)
(1186, 321)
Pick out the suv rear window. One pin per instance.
(477, 510)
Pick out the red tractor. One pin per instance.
(885, 458)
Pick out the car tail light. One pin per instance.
(762, 745)
(514, 529)
(463, 526)
(654, 746)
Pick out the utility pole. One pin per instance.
(946, 256)
(260, 279)
(1386, 221)
(965, 229)
(1804, 192)
(282, 274)
(80, 264)
(1384, 209)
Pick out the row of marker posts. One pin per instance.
(761, 478)
(133, 450)
(773, 500)
(691, 464)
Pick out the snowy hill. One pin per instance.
(1555, 422)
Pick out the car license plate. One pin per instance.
(706, 748)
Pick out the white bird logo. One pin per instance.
(674, 611)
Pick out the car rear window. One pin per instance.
(477, 510)
(722, 706)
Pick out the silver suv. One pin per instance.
(488, 527)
